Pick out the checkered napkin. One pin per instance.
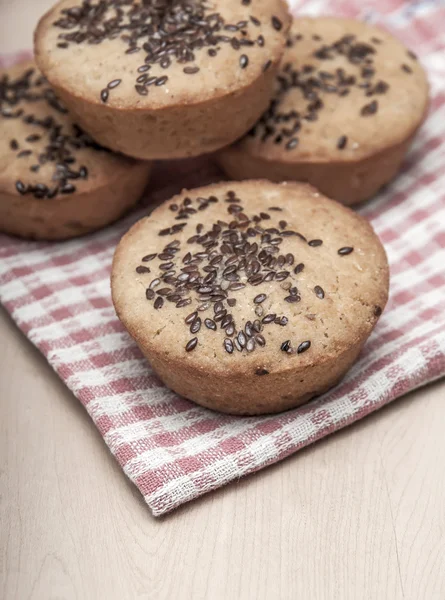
(173, 450)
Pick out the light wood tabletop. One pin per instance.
(360, 515)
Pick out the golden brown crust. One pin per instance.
(242, 393)
(177, 132)
(346, 154)
(65, 217)
(103, 185)
(347, 182)
(266, 379)
(189, 114)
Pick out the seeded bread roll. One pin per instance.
(55, 182)
(250, 297)
(348, 100)
(164, 79)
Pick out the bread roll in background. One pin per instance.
(348, 101)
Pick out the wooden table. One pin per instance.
(360, 515)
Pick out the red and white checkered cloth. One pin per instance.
(173, 450)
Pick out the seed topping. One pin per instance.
(50, 140)
(160, 32)
(213, 264)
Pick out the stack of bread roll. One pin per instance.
(248, 296)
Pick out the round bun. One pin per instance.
(164, 79)
(349, 98)
(55, 181)
(250, 297)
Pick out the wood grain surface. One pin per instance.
(360, 515)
